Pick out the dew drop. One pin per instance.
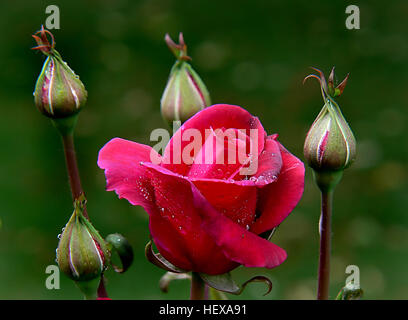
(247, 227)
(59, 236)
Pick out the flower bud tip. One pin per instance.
(59, 93)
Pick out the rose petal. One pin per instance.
(193, 130)
(236, 242)
(236, 202)
(269, 163)
(121, 160)
(162, 196)
(167, 240)
(173, 197)
(278, 199)
(221, 156)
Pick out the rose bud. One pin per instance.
(185, 92)
(82, 253)
(59, 93)
(330, 144)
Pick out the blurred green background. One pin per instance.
(251, 53)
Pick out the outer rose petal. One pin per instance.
(124, 174)
(167, 240)
(121, 160)
(214, 117)
(236, 242)
(168, 201)
(174, 200)
(278, 199)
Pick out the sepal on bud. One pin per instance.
(168, 277)
(59, 93)
(159, 261)
(185, 93)
(330, 144)
(82, 253)
(119, 244)
(225, 283)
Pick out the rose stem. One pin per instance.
(197, 287)
(72, 167)
(325, 246)
(101, 289)
(206, 292)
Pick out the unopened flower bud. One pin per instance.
(185, 93)
(330, 144)
(82, 253)
(59, 93)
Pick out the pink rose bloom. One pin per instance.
(207, 216)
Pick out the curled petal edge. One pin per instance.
(159, 261)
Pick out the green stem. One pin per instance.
(325, 246)
(88, 288)
(197, 287)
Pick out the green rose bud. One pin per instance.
(82, 253)
(185, 93)
(59, 93)
(330, 144)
